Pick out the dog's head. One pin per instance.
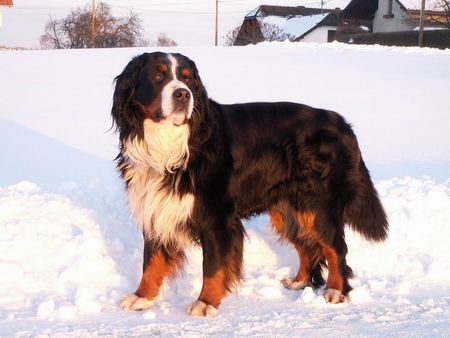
(157, 86)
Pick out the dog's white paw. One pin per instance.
(201, 309)
(136, 303)
(334, 296)
(293, 285)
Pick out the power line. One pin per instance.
(46, 8)
(421, 23)
(217, 22)
(93, 24)
(178, 3)
(162, 11)
(146, 9)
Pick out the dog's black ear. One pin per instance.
(203, 123)
(124, 118)
(201, 96)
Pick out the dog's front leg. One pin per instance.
(222, 266)
(159, 263)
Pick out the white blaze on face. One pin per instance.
(168, 104)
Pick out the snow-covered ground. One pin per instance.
(69, 251)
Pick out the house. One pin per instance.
(432, 18)
(374, 16)
(390, 23)
(8, 3)
(269, 23)
(381, 16)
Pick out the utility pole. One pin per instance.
(421, 23)
(217, 20)
(321, 6)
(93, 24)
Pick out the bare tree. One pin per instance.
(254, 31)
(437, 14)
(53, 36)
(230, 37)
(444, 18)
(74, 31)
(164, 41)
(272, 32)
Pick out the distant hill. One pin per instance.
(12, 48)
(29, 155)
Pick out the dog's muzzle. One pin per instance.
(182, 103)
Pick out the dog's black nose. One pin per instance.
(182, 95)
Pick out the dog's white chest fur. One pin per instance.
(160, 211)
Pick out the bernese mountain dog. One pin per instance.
(194, 168)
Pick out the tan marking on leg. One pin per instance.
(307, 233)
(157, 269)
(335, 280)
(304, 271)
(213, 289)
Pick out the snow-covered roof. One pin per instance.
(286, 11)
(296, 26)
(294, 22)
(6, 3)
(253, 13)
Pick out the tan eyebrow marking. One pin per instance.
(163, 68)
(186, 72)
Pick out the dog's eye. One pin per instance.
(159, 77)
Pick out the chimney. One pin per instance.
(389, 14)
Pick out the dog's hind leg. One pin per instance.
(337, 287)
(309, 252)
(309, 271)
(328, 231)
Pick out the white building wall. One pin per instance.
(398, 23)
(319, 34)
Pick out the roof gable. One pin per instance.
(364, 9)
(295, 27)
(285, 11)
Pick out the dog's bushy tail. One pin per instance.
(363, 211)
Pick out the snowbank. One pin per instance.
(61, 261)
(31, 156)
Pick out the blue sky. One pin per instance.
(188, 22)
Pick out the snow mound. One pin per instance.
(414, 257)
(54, 261)
(32, 156)
(65, 257)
